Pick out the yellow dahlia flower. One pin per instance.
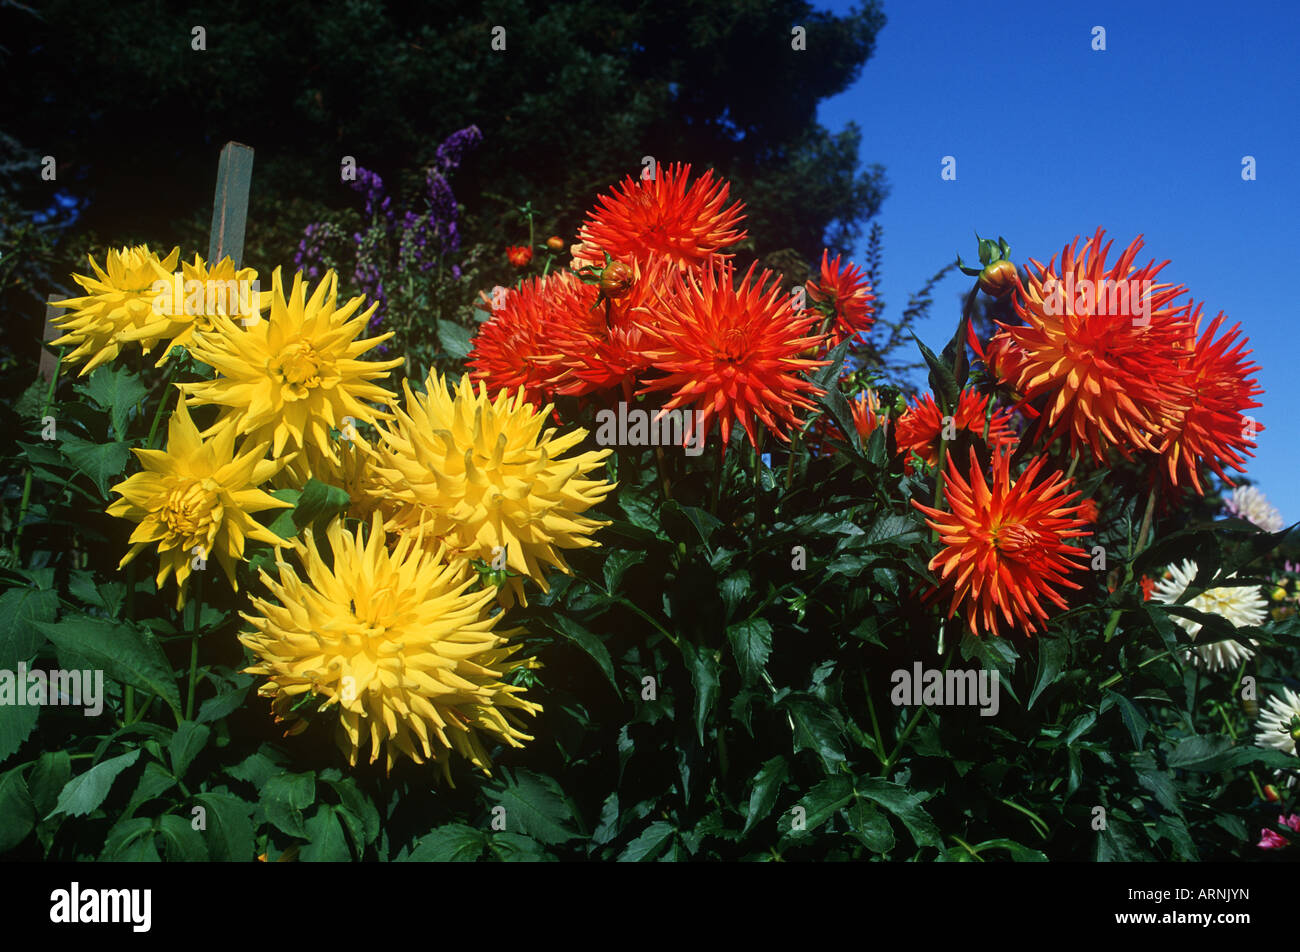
(395, 641)
(481, 476)
(119, 300)
(184, 310)
(291, 379)
(194, 500)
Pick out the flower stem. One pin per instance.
(194, 645)
(162, 402)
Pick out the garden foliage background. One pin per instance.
(769, 593)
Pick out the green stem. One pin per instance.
(715, 489)
(162, 402)
(194, 645)
(875, 724)
(911, 724)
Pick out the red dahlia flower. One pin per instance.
(1102, 346)
(919, 429)
(663, 217)
(1213, 430)
(1005, 547)
(847, 290)
(732, 352)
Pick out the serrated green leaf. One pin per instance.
(104, 463)
(648, 845)
(116, 390)
(229, 832)
(1052, 653)
(588, 642)
(751, 645)
(125, 652)
(453, 843)
(905, 805)
(535, 805)
(87, 791)
(326, 841)
(181, 842)
(21, 609)
(764, 791)
(187, 743)
(705, 679)
(17, 813)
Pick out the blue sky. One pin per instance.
(1053, 139)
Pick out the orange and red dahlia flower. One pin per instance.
(1005, 543)
(845, 288)
(1213, 430)
(1101, 347)
(733, 351)
(922, 426)
(661, 216)
(516, 348)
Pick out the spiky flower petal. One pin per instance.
(119, 298)
(194, 501)
(1101, 346)
(391, 640)
(661, 216)
(846, 289)
(734, 352)
(1005, 543)
(1247, 502)
(1238, 604)
(293, 378)
(481, 476)
(923, 426)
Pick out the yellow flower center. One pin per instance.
(298, 367)
(192, 509)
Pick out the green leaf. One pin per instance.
(21, 609)
(116, 390)
(131, 840)
(733, 590)
(942, 382)
(705, 679)
(126, 653)
(16, 725)
(87, 791)
(1133, 718)
(535, 805)
(187, 742)
(869, 826)
(223, 705)
(102, 462)
(326, 842)
(49, 775)
(229, 833)
(765, 790)
(824, 800)
(106, 595)
(17, 813)
(616, 565)
(1080, 726)
(516, 848)
(455, 339)
(181, 842)
(648, 845)
(1052, 653)
(685, 523)
(284, 797)
(154, 781)
(840, 411)
(357, 812)
(453, 843)
(816, 727)
(1204, 752)
(1019, 852)
(283, 524)
(319, 503)
(905, 805)
(588, 642)
(751, 644)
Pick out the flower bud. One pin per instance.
(1271, 794)
(616, 280)
(555, 243)
(998, 279)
